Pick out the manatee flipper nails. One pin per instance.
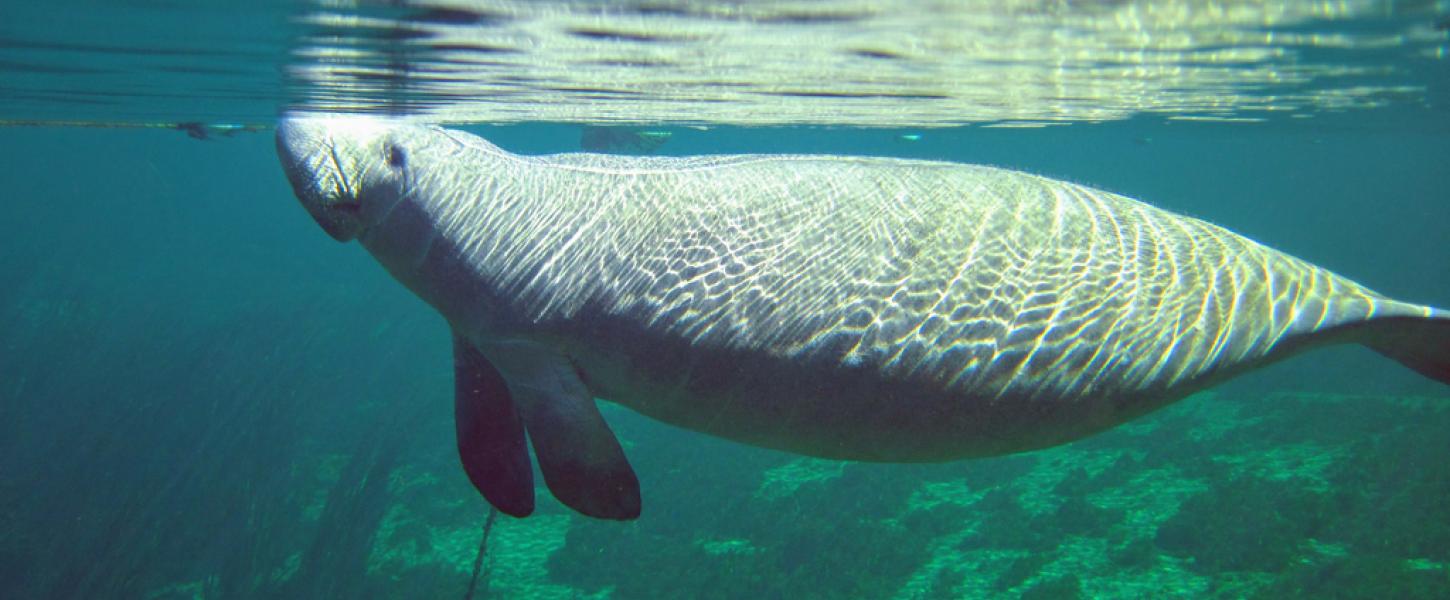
(1422, 344)
(582, 461)
(490, 433)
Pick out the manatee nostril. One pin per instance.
(396, 157)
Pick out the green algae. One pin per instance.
(787, 479)
(723, 547)
(1249, 506)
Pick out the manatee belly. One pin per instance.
(829, 410)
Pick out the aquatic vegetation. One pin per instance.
(1219, 523)
(1239, 520)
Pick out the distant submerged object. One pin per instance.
(844, 307)
(621, 140)
(206, 131)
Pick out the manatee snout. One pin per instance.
(334, 171)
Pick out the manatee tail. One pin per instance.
(1420, 343)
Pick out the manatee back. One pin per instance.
(971, 279)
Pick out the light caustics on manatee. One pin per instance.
(846, 307)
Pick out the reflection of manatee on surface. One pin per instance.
(843, 307)
(621, 140)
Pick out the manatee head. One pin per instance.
(348, 171)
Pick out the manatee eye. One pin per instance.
(396, 157)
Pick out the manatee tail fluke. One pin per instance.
(1420, 343)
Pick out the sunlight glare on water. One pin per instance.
(871, 63)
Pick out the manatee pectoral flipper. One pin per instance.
(1420, 343)
(490, 433)
(583, 463)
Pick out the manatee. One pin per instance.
(870, 309)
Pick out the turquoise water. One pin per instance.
(203, 396)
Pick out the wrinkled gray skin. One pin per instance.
(842, 307)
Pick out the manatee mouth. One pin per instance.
(350, 208)
(341, 220)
